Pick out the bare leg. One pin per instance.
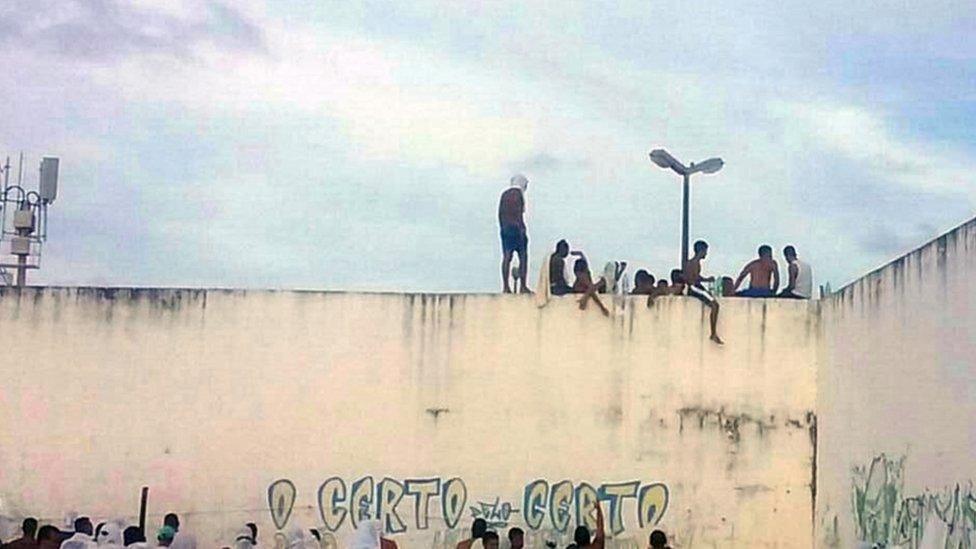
(591, 292)
(506, 266)
(713, 319)
(523, 256)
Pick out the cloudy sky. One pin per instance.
(363, 145)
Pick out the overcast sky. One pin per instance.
(363, 145)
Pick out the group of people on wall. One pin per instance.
(687, 280)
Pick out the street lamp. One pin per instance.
(664, 159)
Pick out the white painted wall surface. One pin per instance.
(899, 381)
(209, 397)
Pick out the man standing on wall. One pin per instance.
(515, 240)
(693, 282)
(800, 285)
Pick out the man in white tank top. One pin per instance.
(801, 276)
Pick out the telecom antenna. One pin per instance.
(23, 220)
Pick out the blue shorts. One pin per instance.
(756, 292)
(514, 239)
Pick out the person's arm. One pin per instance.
(521, 207)
(775, 276)
(621, 267)
(742, 276)
(793, 270)
(600, 533)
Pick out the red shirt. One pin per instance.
(510, 208)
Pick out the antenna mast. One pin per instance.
(23, 219)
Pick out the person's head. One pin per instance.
(254, 531)
(581, 536)
(478, 528)
(172, 521)
(662, 283)
(580, 266)
(520, 181)
(765, 252)
(84, 525)
(728, 286)
(643, 279)
(562, 248)
(701, 248)
(516, 538)
(490, 540)
(29, 527)
(789, 253)
(98, 529)
(677, 277)
(658, 540)
(131, 535)
(48, 533)
(165, 535)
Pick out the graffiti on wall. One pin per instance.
(412, 503)
(887, 517)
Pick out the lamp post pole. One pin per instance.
(664, 160)
(684, 222)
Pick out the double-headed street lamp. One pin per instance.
(663, 159)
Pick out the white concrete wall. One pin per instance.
(210, 397)
(897, 402)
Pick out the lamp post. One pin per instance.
(664, 159)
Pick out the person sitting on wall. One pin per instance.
(478, 527)
(582, 534)
(643, 283)
(516, 538)
(658, 540)
(800, 284)
(727, 286)
(760, 271)
(557, 270)
(676, 287)
(584, 284)
(693, 286)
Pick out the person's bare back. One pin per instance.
(760, 273)
(763, 273)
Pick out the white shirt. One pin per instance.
(803, 286)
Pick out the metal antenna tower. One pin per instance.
(23, 219)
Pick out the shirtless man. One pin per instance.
(643, 283)
(557, 270)
(584, 284)
(693, 283)
(760, 271)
